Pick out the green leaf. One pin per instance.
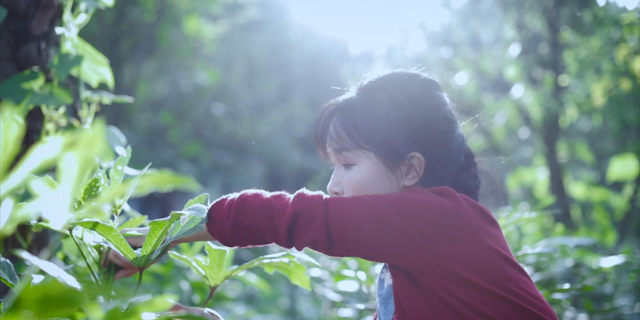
(152, 181)
(189, 262)
(116, 174)
(40, 156)
(94, 68)
(213, 267)
(3, 13)
(105, 97)
(50, 268)
(192, 220)
(50, 95)
(66, 62)
(158, 230)
(20, 86)
(134, 222)
(202, 199)
(120, 202)
(12, 129)
(113, 238)
(623, 167)
(7, 272)
(49, 299)
(283, 262)
(90, 191)
(252, 279)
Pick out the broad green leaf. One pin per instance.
(158, 230)
(21, 86)
(116, 174)
(94, 68)
(19, 213)
(65, 63)
(623, 167)
(121, 202)
(40, 156)
(192, 220)
(134, 222)
(202, 199)
(50, 268)
(105, 97)
(49, 299)
(293, 270)
(7, 272)
(50, 95)
(113, 238)
(189, 262)
(213, 266)
(90, 190)
(252, 279)
(152, 181)
(283, 262)
(98, 4)
(12, 127)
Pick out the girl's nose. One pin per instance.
(334, 189)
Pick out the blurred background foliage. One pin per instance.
(548, 92)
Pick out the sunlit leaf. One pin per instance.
(50, 268)
(94, 68)
(121, 202)
(105, 97)
(49, 299)
(89, 191)
(158, 230)
(623, 167)
(213, 267)
(252, 279)
(189, 262)
(12, 129)
(112, 236)
(40, 156)
(283, 262)
(116, 174)
(191, 221)
(7, 272)
(133, 222)
(202, 199)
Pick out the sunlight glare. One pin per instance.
(372, 25)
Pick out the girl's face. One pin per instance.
(360, 173)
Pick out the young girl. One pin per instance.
(404, 192)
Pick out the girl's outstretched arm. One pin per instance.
(416, 228)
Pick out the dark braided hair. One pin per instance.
(394, 114)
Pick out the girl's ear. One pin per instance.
(412, 169)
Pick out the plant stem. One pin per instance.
(23, 243)
(211, 292)
(141, 272)
(95, 277)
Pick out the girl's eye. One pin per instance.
(348, 166)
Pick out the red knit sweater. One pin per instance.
(446, 253)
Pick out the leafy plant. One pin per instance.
(216, 268)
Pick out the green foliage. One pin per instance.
(7, 272)
(51, 269)
(623, 167)
(216, 268)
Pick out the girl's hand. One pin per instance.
(202, 312)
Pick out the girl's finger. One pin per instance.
(124, 273)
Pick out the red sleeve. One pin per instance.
(414, 228)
